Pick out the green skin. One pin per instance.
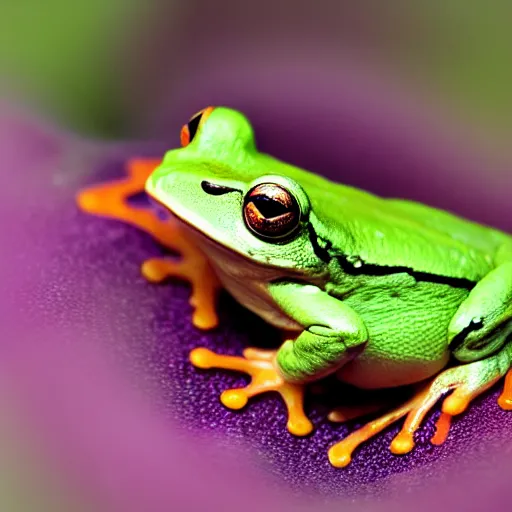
(381, 291)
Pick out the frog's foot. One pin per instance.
(464, 382)
(505, 399)
(259, 364)
(340, 454)
(112, 200)
(196, 271)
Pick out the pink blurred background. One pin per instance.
(366, 87)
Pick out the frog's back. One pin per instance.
(476, 236)
(399, 233)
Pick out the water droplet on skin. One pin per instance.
(356, 261)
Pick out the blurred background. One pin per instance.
(104, 67)
(334, 86)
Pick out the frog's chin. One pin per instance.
(201, 239)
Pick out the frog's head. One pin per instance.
(246, 201)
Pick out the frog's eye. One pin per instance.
(189, 130)
(270, 211)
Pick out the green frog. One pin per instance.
(381, 293)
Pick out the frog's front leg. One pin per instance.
(483, 321)
(466, 383)
(259, 364)
(332, 334)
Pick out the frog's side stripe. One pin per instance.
(323, 253)
(377, 270)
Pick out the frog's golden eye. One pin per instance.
(270, 211)
(189, 130)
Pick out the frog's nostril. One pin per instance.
(215, 190)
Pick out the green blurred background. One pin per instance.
(74, 57)
(60, 53)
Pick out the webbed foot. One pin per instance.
(465, 384)
(194, 269)
(259, 364)
(111, 200)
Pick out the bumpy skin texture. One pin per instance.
(393, 287)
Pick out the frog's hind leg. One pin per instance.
(483, 321)
(259, 364)
(465, 383)
(340, 454)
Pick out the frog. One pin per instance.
(377, 292)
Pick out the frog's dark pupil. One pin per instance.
(269, 207)
(193, 124)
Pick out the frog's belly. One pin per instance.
(407, 328)
(372, 372)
